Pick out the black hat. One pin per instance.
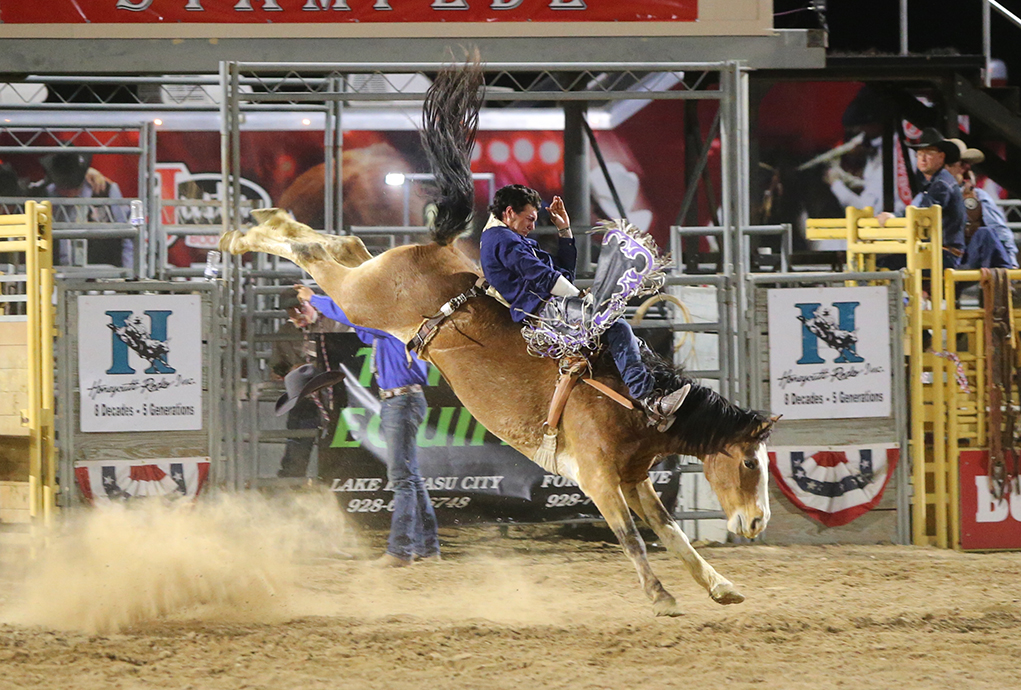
(289, 302)
(932, 138)
(868, 107)
(66, 170)
(302, 381)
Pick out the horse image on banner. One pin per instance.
(606, 448)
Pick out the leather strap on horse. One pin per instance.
(610, 393)
(546, 454)
(431, 324)
(1000, 358)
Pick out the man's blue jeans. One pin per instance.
(413, 525)
(627, 356)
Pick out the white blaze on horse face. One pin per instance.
(763, 458)
(751, 513)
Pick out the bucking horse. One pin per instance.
(606, 448)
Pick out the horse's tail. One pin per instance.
(450, 119)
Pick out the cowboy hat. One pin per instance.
(302, 381)
(969, 155)
(931, 138)
(66, 170)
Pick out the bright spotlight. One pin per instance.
(395, 179)
(157, 122)
(306, 122)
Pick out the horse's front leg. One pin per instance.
(643, 500)
(607, 496)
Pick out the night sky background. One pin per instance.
(936, 27)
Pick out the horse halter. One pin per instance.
(431, 325)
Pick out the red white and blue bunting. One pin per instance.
(834, 484)
(102, 483)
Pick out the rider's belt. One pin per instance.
(953, 251)
(431, 324)
(387, 393)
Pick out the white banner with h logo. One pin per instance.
(140, 362)
(829, 352)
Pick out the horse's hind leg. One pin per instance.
(279, 234)
(610, 501)
(643, 500)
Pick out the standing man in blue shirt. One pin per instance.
(528, 278)
(413, 533)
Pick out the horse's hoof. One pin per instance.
(666, 606)
(226, 243)
(726, 594)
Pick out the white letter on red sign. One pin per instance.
(267, 6)
(504, 4)
(567, 5)
(450, 5)
(989, 509)
(312, 6)
(382, 5)
(132, 6)
(194, 6)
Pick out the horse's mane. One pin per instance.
(706, 422)
(450, 120)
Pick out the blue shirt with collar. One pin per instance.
(993, 218)
(520, 271)
(942, 190)
(393, 370)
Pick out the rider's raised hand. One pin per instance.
(558, 214)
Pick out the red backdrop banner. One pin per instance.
(342, 11)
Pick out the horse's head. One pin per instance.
(739, 475)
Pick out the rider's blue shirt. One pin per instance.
(522, 272)
(393, 370)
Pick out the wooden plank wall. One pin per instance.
(13, 377)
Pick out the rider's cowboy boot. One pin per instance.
(661, 408)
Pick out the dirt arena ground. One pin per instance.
(199, 601)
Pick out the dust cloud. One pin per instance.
(226, 557)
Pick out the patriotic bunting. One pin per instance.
(834, 485)
(104, 482)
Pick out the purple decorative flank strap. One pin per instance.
(629, 266)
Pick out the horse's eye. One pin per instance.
(750, 464)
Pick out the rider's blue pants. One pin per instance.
(627, 356)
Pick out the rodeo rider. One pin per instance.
(533, 282)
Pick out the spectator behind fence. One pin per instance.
(939, 188)
(69, 175)
(288, 363)
(990, 243)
